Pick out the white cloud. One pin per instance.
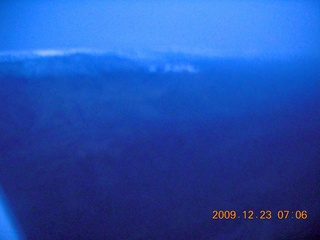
(178, 68)
(49, 53)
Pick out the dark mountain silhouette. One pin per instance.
(101, 146)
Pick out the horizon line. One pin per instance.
(154, 53)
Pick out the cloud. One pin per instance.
(177, 68)
(173, 68)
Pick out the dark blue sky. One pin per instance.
(214, 27)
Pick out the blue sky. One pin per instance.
(209, 27)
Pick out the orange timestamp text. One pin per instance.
(262, 214)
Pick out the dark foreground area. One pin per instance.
(111, 148)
